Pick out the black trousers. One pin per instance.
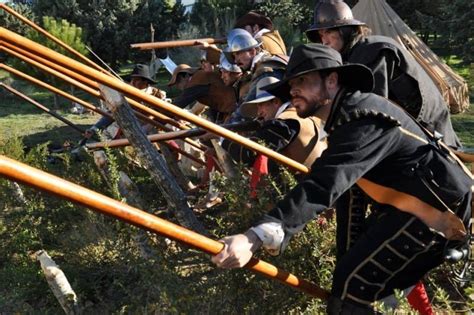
(393, 250)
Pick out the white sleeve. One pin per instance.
(271, 234)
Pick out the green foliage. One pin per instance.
(100, 257)
(216, 18)
(456, 28)
(290, 18)
(291, 13)
(11, 23)
(63, 30)
(446, 22)
(469, 291)
(113, 168)
(111, 26)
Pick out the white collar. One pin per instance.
(261, 32)
(282, 108)
(257, 59)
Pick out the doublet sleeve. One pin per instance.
(276, 134)
(354, 149)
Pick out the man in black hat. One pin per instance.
(301, 139)
(261, 28)
(419, 191)
(140, 79)
(398, 76)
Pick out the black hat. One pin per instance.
(316, 57)
(142, 71)
(252, 18)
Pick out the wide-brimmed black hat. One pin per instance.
(142, 71)
(317, 57)
(252, 18)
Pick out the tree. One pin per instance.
(12, 23)
(457, 28)
(67, 33)
(63, 30)
(166, 19)
(290, 18)
(110, 26)
(215, 18)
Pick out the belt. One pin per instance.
(446, 222)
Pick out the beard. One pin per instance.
(312, 106)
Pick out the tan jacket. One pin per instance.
(273, 43)
(308, 145)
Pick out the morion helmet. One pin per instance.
(239, 40)
(330, 14)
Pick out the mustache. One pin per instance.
(293, 98)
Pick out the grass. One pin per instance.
(22, 119)
(123, 276)
(464, 126)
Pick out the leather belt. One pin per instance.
(446, 222)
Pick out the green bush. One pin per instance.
(102, 260)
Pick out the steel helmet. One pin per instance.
(239, 40)
(330, 14)
(226, 65)
(234, 32)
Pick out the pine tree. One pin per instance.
(67, 33)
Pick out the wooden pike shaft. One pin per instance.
(11, 37)
(173, 135)
(153, 138)
(84, 84)
(177, 43)
(85, 104)
(54, 185)
(54, 90)
(43, 108)
(51, 37)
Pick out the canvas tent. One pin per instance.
(383, 20)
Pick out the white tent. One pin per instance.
(383, 20)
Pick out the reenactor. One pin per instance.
(261, 28)
(256, 63)
(205, 87)
(301, 139)
(141, 79)
(420, 192)
(397, 74)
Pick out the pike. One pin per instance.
(104, 63)
(43, 108)
(53, 38)
(84, 84)
(11, 37)
(177, 43)
(173, 135)
(82, 69)
(54, 90)
(86, 105)
(59, 187)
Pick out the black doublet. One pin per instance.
(372, 138)
(400, 78)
